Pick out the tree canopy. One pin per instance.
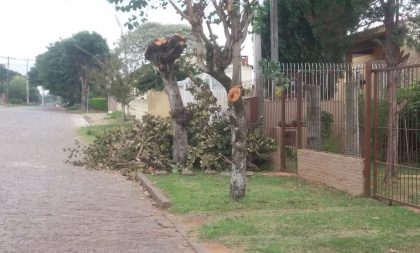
(62, 67)
(312, 31)
(5, 76)
(401, 19)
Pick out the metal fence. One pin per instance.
(396, 134)
(344, 109)
(323, 109)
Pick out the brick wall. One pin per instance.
(338, 171)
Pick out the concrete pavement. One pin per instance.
(48, 206)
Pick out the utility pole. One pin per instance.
(274, 30)
(27, 81)
(259, 84)
(274, 38)
(7, 80)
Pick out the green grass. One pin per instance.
(88, 133)
(286, 214)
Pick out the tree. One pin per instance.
(5, 77)
(163, 52)
(63, 68)
(147, 76)
(400, 18)
(136, 41)
(17, 90)
(214, 56)
(113, 78)
(312, 31)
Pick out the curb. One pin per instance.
(161, 200)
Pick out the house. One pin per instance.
(365, 48)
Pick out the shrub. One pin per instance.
(74, 107)
(99, 104)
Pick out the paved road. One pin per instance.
(47, 206)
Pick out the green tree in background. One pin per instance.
(64, 67)
(17, 91)
(5, 76)
(312, 31)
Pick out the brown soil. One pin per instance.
(194, 221)
(215, 247)
(280, 174)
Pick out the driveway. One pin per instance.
(48, 206)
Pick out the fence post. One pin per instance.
(299, 110)
(367, 143)
(283, 132)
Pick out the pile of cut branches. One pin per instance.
(127, 148)
(147, 144)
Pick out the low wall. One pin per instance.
(158, 103)
(338, 171)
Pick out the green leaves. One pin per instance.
(271, 71)
(60, 68)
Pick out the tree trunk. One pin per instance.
(238, 128)
(239, 152)
(314, 116)
(392, 55)
(391, 172)
(352, 146)
(84, 93)
(178, 114)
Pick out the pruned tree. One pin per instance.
(163, 52)
(400, 18)
(136, 40)
(213, 56)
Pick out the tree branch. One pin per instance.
(180, 12)
(223, 18)
(212, 37)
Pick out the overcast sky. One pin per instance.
(29, 26)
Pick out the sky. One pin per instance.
(29, 26)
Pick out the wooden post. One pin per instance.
(367, 128)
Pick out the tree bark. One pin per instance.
(391, 172)
(84, 93)
(352, 146)
(178, 114)
(237, 116)
(393, 56)
(314, 116)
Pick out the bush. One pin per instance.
(99, 104)
(74, 107)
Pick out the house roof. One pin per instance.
(368, 35)
(363, 42)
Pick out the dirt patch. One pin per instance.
(191, 222)
(215, 247)
(194, 221)
(416, 210)
(96, 118)
(280, 174)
